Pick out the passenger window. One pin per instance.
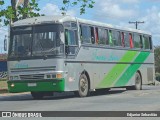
(96, 35)
(116, 38)
(137, 43)
(141, 42)
(131, 40)
(71, 41)
(87, 34)
(92, 35)
(146, 42)
(150, 41)
(110, 38)
(102, 36)
(126, 40)
(71, 37)
(122, 39)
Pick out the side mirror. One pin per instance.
(5, 43)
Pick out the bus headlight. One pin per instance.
(12, 85)
(53, 76)
(50, 76)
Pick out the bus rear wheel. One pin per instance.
(83, 86)
(37, 95)
(138, 83)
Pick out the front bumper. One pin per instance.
(17, 86)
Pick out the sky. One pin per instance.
(116, 12)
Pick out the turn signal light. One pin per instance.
(58, 75)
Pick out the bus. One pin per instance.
(63, 53)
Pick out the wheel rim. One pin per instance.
(83, 86)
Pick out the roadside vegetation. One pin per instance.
(3, 86)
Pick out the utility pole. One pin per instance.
(136, 23)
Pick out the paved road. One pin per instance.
(147, 99)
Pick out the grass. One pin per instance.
(3, 86)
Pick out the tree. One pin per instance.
(157, 59)
(30, 8)
(83, 5)
(12, 13)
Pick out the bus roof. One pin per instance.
(61, 19)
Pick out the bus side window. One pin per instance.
(87, 34)
(116, 38)
(150, 41)
(141, 42)
(96, 35)
(107, 36)
(146, 42)
(136, 40)
(110, 38)
(92, 35)
(126, 39)
(71, 41)
(102, 36)
(122, 39)
(71, 37)
(131, 40)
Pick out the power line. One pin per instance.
(136, 23)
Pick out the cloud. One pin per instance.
(152, 23)
(52, 9)
(115, 9)
(129, 1)
(120, 12)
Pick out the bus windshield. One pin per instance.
(36, 41)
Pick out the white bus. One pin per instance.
(64, 53)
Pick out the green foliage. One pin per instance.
(83, 5)
(157, 59)
(9, 14)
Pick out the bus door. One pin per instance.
(71, 40)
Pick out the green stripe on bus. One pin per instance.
(132, 69)
(117, 70)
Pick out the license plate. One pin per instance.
(32, 84)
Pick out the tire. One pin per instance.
(83, 86)
(138, 83)
(37, 95)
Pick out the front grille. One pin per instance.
(33, 69)
(32, 77)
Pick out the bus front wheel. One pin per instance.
(37, 95)
(83, 86)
